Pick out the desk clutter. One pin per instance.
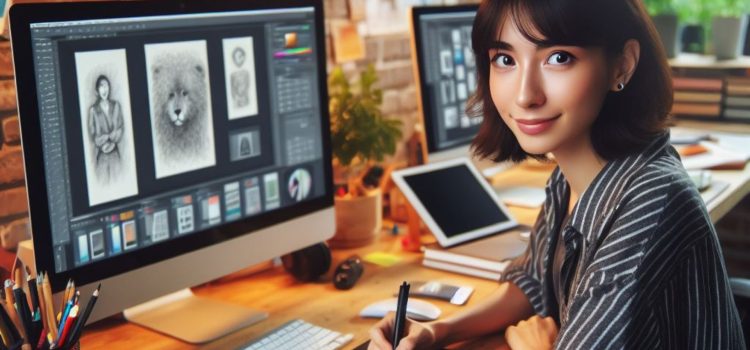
(28, 319)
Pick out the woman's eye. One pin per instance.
(503, 60)
(560, 58)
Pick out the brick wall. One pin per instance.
(390, 52)
(14, 222)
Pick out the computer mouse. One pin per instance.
(418, 310)
(348, 272)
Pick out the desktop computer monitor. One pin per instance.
(445, 75)
(168, 143)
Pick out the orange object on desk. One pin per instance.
(691, 150)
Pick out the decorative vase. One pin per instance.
(726, 36)
(692, 38)
(358, 220)
(666, 25)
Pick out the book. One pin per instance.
(737, 101)
(736, 80)
(743, 90)
(701, 84)
(686, 96)
(480, 257)
(464, 270)
(737, 113)
(709, 110)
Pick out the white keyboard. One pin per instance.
(299, 334)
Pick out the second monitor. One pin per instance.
(445, 72)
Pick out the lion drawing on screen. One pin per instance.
(180, 100)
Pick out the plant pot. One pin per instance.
(726, 36)
(666, 25)
(358, 220)
(693, 38)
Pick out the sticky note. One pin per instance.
(382, 259)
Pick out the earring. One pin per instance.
(620, 86)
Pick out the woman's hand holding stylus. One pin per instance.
(416, 335)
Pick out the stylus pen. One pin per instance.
(400, 322)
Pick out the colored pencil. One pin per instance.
(50, 306)
(81, 322)
(10, 308)
(66, 329)
(13, 335)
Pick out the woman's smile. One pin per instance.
(534, 126)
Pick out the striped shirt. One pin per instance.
(640, 264)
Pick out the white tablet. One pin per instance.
(454, 201)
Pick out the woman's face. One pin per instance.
(103, 89)
(548, 96)
(239, 57)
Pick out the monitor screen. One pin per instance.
(446, 73)
(153, 131)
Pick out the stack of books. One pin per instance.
(737, 103)
(699, 97)
(484, 258)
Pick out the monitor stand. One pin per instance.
(184, 315)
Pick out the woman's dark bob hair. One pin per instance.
(629, 119)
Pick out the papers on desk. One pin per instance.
(715, 157)
(723, 151)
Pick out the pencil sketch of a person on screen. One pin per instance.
(240, 80)
(105, 126)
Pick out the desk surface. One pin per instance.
(285, 299)
(278, 293)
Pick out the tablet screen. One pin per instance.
(455, 199)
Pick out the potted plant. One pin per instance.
(665, 20)
(726, 27)
(696, 15)
(360, 137)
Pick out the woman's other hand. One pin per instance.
(416, 335)
(535, 333)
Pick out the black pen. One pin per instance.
(400, 322)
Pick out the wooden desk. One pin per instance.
(285, 299)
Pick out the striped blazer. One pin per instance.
(642, 266)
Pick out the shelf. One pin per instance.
(691, 60)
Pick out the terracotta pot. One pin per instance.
(358, 220)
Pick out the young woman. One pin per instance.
(623, 253)
(105, 126)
